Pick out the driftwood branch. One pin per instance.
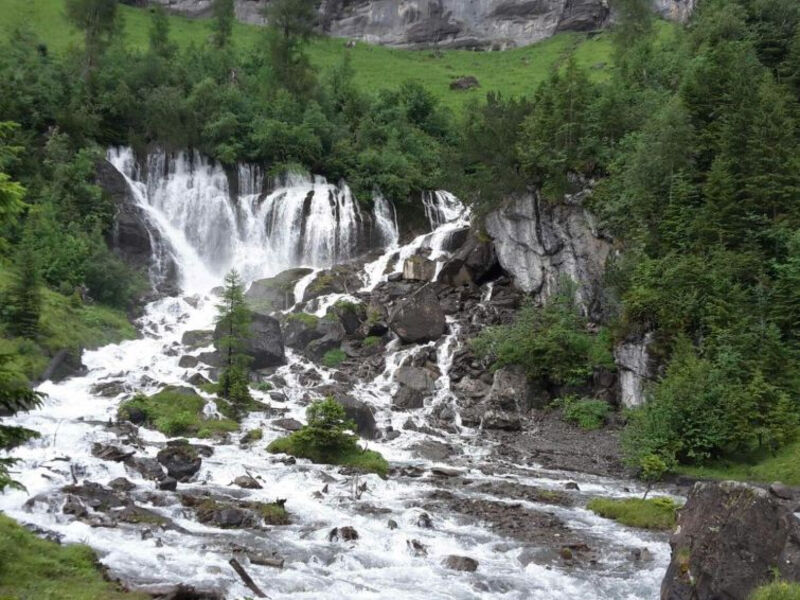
(248, 581)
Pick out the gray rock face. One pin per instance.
(538, 244)
(275, 293)
(731, 538)
(181, 461)
(460, 563)
(635, 368)
(418, 318)
(265, 344)
(418, 268)
(446, 23)
(471, 263)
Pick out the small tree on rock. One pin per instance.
(234, 323)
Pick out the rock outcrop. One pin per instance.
(265, 344)
(486, 24)
(539, 244)
(635, 368)
(418, 318)
(275, 293)
(731, 538)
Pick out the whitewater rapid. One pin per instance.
(190, 205)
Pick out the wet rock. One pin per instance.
(197, 338)
(417, 548)
(731, 538)
(571, 485)
(120, 484)
(433, 450)
(445, 472)
(473, 263)
(181, 461)
(424, 520)
(65, 364)
(168, 484)
(109, 452)
(350, 314)
(149, 468)
(198, 379)
(263, 560)
(109, 389)
(264, 344)
(344, 534)
(418, 268)
(356, 410)
(340, 279)
(288, 424)
(275, 293)
(187, 362)
(460, 563)
(300, 329)
(497, 419)
(641, 555)
(407, 398)
(182, 592)
(230, 513)
(73, 506)
(247, 482)
(212, 359)
(416, 378)
(418, 318)
(782, 491)
(391, 524)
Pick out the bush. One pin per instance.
(333, 358)
(551, 343)
(779, 590)
(328, 439)
(653, 513)
(586, 413)
(371, 341)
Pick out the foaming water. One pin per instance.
(379, 564)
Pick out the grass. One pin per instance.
(65, 323)
(778, 590)
(272, 513)
(586, 413)
(372, 340)
(363, 460)
(254, 435)
(333, 358)
(304, 318)
(513, 72)
(174, 411)
(654, 513)
(32, 568)
(784, 466)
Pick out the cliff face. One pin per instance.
(447, 23)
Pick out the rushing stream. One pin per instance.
(306, 222)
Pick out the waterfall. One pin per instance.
(442, 207)
(304, 221)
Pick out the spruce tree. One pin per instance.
(222, 26)
(293, 23)
(98, 21)
(24, 297)
(234, 324)
(160, 44)
(15, 396)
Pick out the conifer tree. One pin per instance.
(222, 26)
(98, 21)
(160, 44)
(234, 324)
(15, 396)
(25, 300)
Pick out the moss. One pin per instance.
(210, 388)
(761, 466)
(176, 411)
(304, 318)
(254, 435)
(34, 568)
(371, 341)
(778, 590)
(262, 386)
(333, 358)
(321, 283)
(272, 513)
(346, 305)
(653, 513)
(364, 460)
(374, 316)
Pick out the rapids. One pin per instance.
(309, 222)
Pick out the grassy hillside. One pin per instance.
(514, 72)
(65, 323)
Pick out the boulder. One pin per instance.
(168, 484)
(419, 318)
(350, 314)
(109, 452)
(460, 563)
(416, 378)
(109, 389)
(275, 293)
(465, 83)
(149, 468)
(247, 482)
(472, 263)
(197, 338)
(344, 534)
(340, 279)
(187, 362)
(731, 538)
(65, 364)
(300, 329)
(265, 344)
(508, 399)
(181, 461)
(120, 484)
(288, 424)
(419, 268)
(356, 410)
(407, 398)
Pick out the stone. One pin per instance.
(635, 368)
(416, 378)
(473, 263)
(391, 524)
(407, 398)
(109, 452)
(275, 293)
(65, 364)
(418, 318)
(465, 83)
(433, 450)
(417, 548)
(509, 398)
(264, 344)
(540, 243)
(181, 461)
(149, 468)
(300, 329)
(197, 338)
(340, 279)
(344, 534)
(288, 424)
(781, 491)
(247, 482)
(187, 361)
(731, 537)
(168, 484)
(120, 484)
(424, 520)
(460, 563)
(571, 485)
(109, 389)
(418, 268)
(198, 379)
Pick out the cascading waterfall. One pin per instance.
(303, 221)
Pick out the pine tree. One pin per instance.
(222, 26)
(234, 324)
(293, 23)
(15, 396)
(160, 44)
(24, 297)
(98, 21)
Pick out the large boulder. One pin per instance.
(508, 400)
(275, 293)
(418, 268)
(541, 243)
(357, 411)
(418, 318)
(265, 344)
(731, 538)
(300, 329)
(473, 262)
(340, 279)
(182, 461)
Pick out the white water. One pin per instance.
(379, 564)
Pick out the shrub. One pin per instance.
(779, 590)
(333, 358)
(371, 341)
(586, 413)
(304, 318)
(328, 439)
(654, 513)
